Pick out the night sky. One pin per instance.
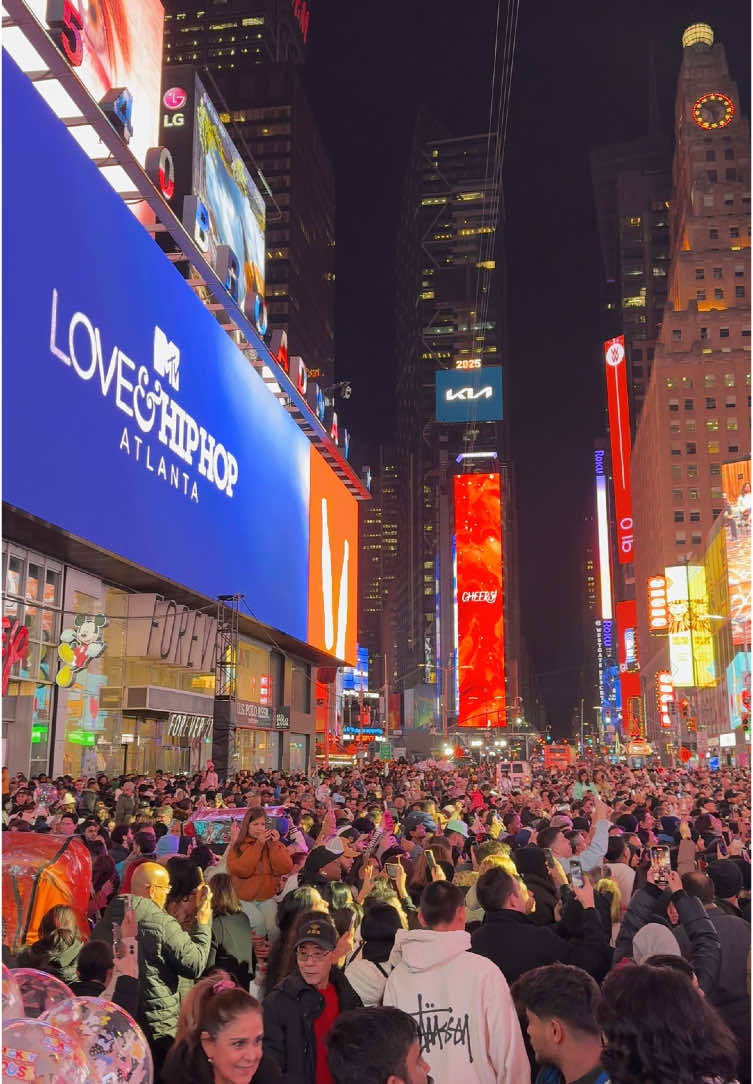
(581, 79)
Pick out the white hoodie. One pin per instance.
(461, 1001)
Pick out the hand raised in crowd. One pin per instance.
(235, 830)
(129, 927)
(584, 895)
(204, 904)
(437, 874)
(674, 881)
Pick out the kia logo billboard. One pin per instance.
(469, 395)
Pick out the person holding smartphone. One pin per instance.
(255, 861)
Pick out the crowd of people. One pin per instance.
(401, 923)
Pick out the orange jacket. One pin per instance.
(256, 870)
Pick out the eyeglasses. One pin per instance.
(313, 957)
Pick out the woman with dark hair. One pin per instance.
(220, 1040)
(256, 859)
(185, 879)
(59, 944)
(231, 946)
(369, 969)
(658, 1028)
(105, 885)
(289, 908)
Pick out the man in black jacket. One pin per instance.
(510, 938)
(301, 1009)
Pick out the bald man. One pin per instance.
(166, 952)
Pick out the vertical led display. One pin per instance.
(480, 609)
(680, 642)
(619, 435)
(665, 695)
(602, 527)
(736, 502)
(627, 657)
(702, 639)
(738, 689)
(658, 608)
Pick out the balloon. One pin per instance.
(13, 1006)
(35, 1051)
(39, 991)
(112, 1041)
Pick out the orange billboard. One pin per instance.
(333, 563)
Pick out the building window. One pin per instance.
(712, 447)
(700, 295)
(650, 354)
(739, 271)
(690, 448)
(677, 496)
(718, 294)
(676, 473)
(731, 174)
(695, 517)
(733, 449)
(679, 539)
(699, 273)
(690, 425)
(674, 406)
(713, 235)
(695, 539)
(734, 232)
(728, 199)
(710, 380)
(710, 156)
(717, 272)
(692, 470)
(715, 469)
(674, 428)
(708, 201)
(729, 154)
(710, 404)
(675, 450)
(716, 493)
(712, 425)
(729, 380)
(689, 404)
(723, 332)
(711, 174)
(739, 291)
(692, 494)
(730, 402)
(732, 424)
(679, 515)
(637, 355)
(676, 335)
(704, 333)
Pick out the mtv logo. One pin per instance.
(166, 358)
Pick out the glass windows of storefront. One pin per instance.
(33, 597)
(256, 749)
(298, 753)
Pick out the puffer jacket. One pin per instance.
(257, 869)
(289, 1014)
(59, 960)
(166, 954)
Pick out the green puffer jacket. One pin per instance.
(166, 954)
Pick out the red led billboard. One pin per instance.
(619, 435)
(480, 604)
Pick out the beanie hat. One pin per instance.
(726, 878)
(628, 822)
(319, 857)
(531, 860)
(653, 939)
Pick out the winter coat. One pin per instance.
(468, 1027)
(516, 944)
(59, 961)
(290, 1010)
(704, 941)
(257, 869)
(166, 954)
(368, 979)
(543, 891)
(730, 994)
(231, 947)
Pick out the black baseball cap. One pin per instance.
(318, 931)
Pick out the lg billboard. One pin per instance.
(152, 436)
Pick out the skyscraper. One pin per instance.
(696, 413)
(377, 571)
(232, 34)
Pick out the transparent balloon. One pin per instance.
(13, 1006)
(32, 1050)
(39, 991)
(112, 1041)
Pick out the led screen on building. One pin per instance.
(114, 43)
(357, 677)
(619, 436)
(602, 528)
(680, 642)
(154, 438)
(230, 209)
(704, 667)
(738, 689)
(658, 610)
(480, 603)
(469, 395)
(736, 517)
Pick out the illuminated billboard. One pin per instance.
(658, 607)
(480, 641)
(680, 642)
(738, 689)
(186, 466)
(224, 207)
(704, 667)
(473, 395)
(627, 635)
(112, 44)
(665, 697)
(602, 527)
(619, 436)
(356, 677)
(736, 501)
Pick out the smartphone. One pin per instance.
(270, 824)
(661, 863)
(117, 938)
(549, 857)
(393, 869)
(431, 862)
(576, 874)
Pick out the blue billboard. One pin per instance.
(130, 418)
(357, 677)
(469, 395)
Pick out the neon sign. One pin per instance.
(602, 525)
(658, 606)
(665, 695)
(15, 647)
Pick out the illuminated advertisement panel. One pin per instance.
(480, 609)
(627, 635)
(738, 689)
(658, 607)
(227, 207)
(464, 396)
(357, 677)
(110, 44)
(702, 639)
(619, 436)
(665, 697)
(736, 500)
(680, 642)
(602, 527)
(333, 563)
(185, 466)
